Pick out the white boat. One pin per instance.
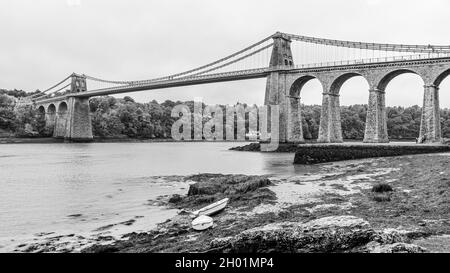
(212, 209)
(202, 222)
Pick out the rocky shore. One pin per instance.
(256, 147)
(397, 204)
(315, 153)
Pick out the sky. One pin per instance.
(42, 41)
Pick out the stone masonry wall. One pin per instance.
(79, 127)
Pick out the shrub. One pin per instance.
(380, 188)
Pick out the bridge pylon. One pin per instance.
(277, 93)
(78, 83)
(78, 122)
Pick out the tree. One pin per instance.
(7, 114)
(113, 117)
(27, 123)
(128, 99)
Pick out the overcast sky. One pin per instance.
(42, 41)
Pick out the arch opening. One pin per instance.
(62, 108)
(341, 80)
(392, 75)
(41, 110)
(51, 109)
(404, 99)
(298, 84)
(441, 77)
(306, 96)
(444, 100)
(353, 89)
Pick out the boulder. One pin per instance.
(211, 184)
(397, 248)
(246, 191)
(175, 198)
(329, 234)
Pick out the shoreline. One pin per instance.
(39, 140)
(316, 153)
(413, 215)
(334, 200)
(18, 140)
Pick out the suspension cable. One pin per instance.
(232, 62)
(373, 46)
(185, 72)
(46, 95)
(56, 85)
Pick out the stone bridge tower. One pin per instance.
(69, 116)
(78, 126)
(281, 59)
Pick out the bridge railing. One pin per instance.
(204, 77)
(375, 60)
(304, 66)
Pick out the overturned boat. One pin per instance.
(211, 209)
(202, 222)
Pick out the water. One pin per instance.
(49, 190)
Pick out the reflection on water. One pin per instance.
(77, 188)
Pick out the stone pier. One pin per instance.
(60, 125)
(330, 119)
(78, 126)
(61, 121)
(430, 127)
(376, 123)
(50, 116)
(295, 130)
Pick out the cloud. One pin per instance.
(373, 2)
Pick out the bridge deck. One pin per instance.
(249, 74)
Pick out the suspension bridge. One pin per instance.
(288, 62)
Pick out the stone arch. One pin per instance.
(339, 81)
(441, 77)
(62, 108)
(50, 116)
(51, 109)
(388, 77)
(41, 110)
(298, 84)
(61, 120)
(40, 115)
(295, 131)
(335, 90)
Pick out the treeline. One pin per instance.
(17, 93)
(112, 117)
(402, 122)
(115, 117)
(20, 120)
